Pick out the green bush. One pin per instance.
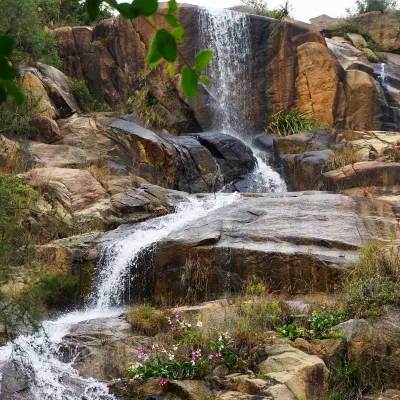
(16, 201)
(374, 284)
(325, 318)
(85, 99)
(21, 20)
(57, 291)
(290, 122)
(260, 7)
(345, 383)
(365, 6)
(291, 331)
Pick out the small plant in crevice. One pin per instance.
(345, 383)
(290, 122)
(324, 319)
(146, 320)
(342, 157)
(85, 99)
(143, 106)
(290, 331)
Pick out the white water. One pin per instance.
(124, 253)
(39, 355)
(228, 35)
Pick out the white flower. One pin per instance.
(189, 325)
(220, 339)
(193, 362)
(199, 324)
(175, 348)
(171, 357)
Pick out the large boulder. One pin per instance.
(275, 238)
(306, 376)
(320, 83)
(375, 345)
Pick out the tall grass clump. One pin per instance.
(290, 122)
(374, 284)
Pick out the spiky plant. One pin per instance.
(290, 122)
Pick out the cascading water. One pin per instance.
(228, 35)
(39, 355)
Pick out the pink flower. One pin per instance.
(218, 355)
(180, 333)
(173, 329)
(163, 381)
(130, 381)
(228, 346)
(141, 352)
(194, 356)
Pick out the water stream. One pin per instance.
(228, 34)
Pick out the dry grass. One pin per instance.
(341, 158)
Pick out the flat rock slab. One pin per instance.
(299, 242)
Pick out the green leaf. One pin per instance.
(203, 59)
(171, 69)
(172, 6)
(13, 91)
(153, 56)
(172, 20)
(205, 80)
(166, 45)
(178, 34)
(189, 81)
(145, 7)
(127, 11)
(6, 71)
(93, 8)
(6, 45)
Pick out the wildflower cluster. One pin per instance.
(223, 350)
(182, 329)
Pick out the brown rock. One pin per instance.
(9, 150)
(364, 174)
(364, 101)
(36, 94)
(320, 84)
(306, 376)
(45, 130)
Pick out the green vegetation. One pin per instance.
(342, 157)
(16, 200)
(290, 122)
(143, 107)
(21, 20)
(374, 284)
(365, 6)
(57, 291)
(147, 320)
(291, 331)
(85, 99)
(260, 7)
(345, 383)
(322, 320)
(56, 13)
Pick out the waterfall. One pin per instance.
(228, 35)
(39, 355)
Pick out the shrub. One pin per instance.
(374, 283)
(365, 6)
(291, 331)
(58, 291)
(143, 107)
(21, 20)
(146, 320)
(170, 362)
(16, 201)
(322, 320)
(85, 99)
(290, 122)
(345, 383)
(260, 7)
(341, 158)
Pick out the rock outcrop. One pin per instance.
(285, 72)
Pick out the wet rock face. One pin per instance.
(288, 240)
